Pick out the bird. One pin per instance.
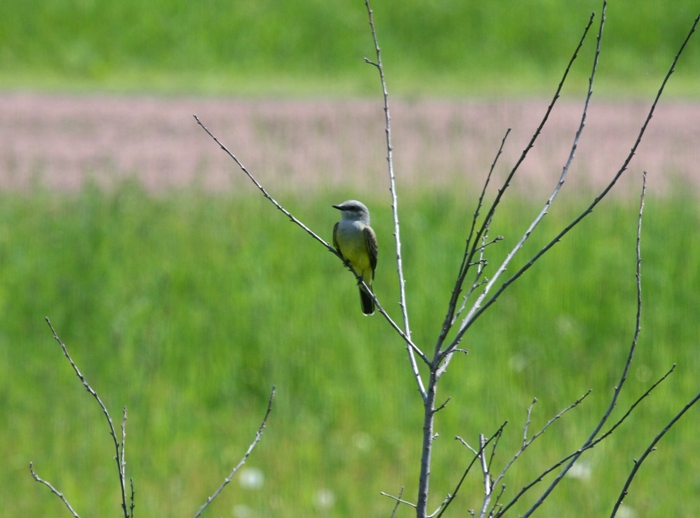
(356, 242)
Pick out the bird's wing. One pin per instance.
(335, 240)
(372, 248)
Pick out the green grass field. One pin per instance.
(288, 47)
(188, 307)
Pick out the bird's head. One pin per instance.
(354, 210)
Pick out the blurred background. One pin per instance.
(184, 296)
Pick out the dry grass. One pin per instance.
(59, 141)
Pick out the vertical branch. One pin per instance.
(394, 200)
(131, 507)
(485, 472)
(122, 461)
(427, 446)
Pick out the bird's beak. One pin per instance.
(337, 207)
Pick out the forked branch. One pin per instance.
(470, 247)
(478, 311)
(477, 306)
(118, 446)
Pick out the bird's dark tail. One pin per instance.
(367, 302)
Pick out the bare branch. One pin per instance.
(53, 490)
(466, 444)
(485, 468)
(477, 309)
(484, 245)
(117, 445)
(265, 193)
(527, 421)
(444, 355)
(477, 456)
(598, 199)
(394, 205)
(441, 506)
(258, 436)
(123, 453)
(590, 446)
(497, 502)
(442, 406)
(131, 507)
(464, 267)
(623, 377)
(526, 443)
(650, 448)
(398, 501)
(634, 405)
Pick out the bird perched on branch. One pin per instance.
(356, 242)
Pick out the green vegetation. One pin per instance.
(288, 47)
(188, 307)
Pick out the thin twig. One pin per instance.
(466, 444)
(123, 453)
(258, 436)
(478, 281)
(264, 191)
(527, 421)
(494, 446)
(650, 448)
(131, 507)
(442, 406)
(634, 405)
(497, 502)
(117, 445)
(53, 489)
(394, 202)
(398, 501)
(441, 506)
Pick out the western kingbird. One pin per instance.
(357, 244)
